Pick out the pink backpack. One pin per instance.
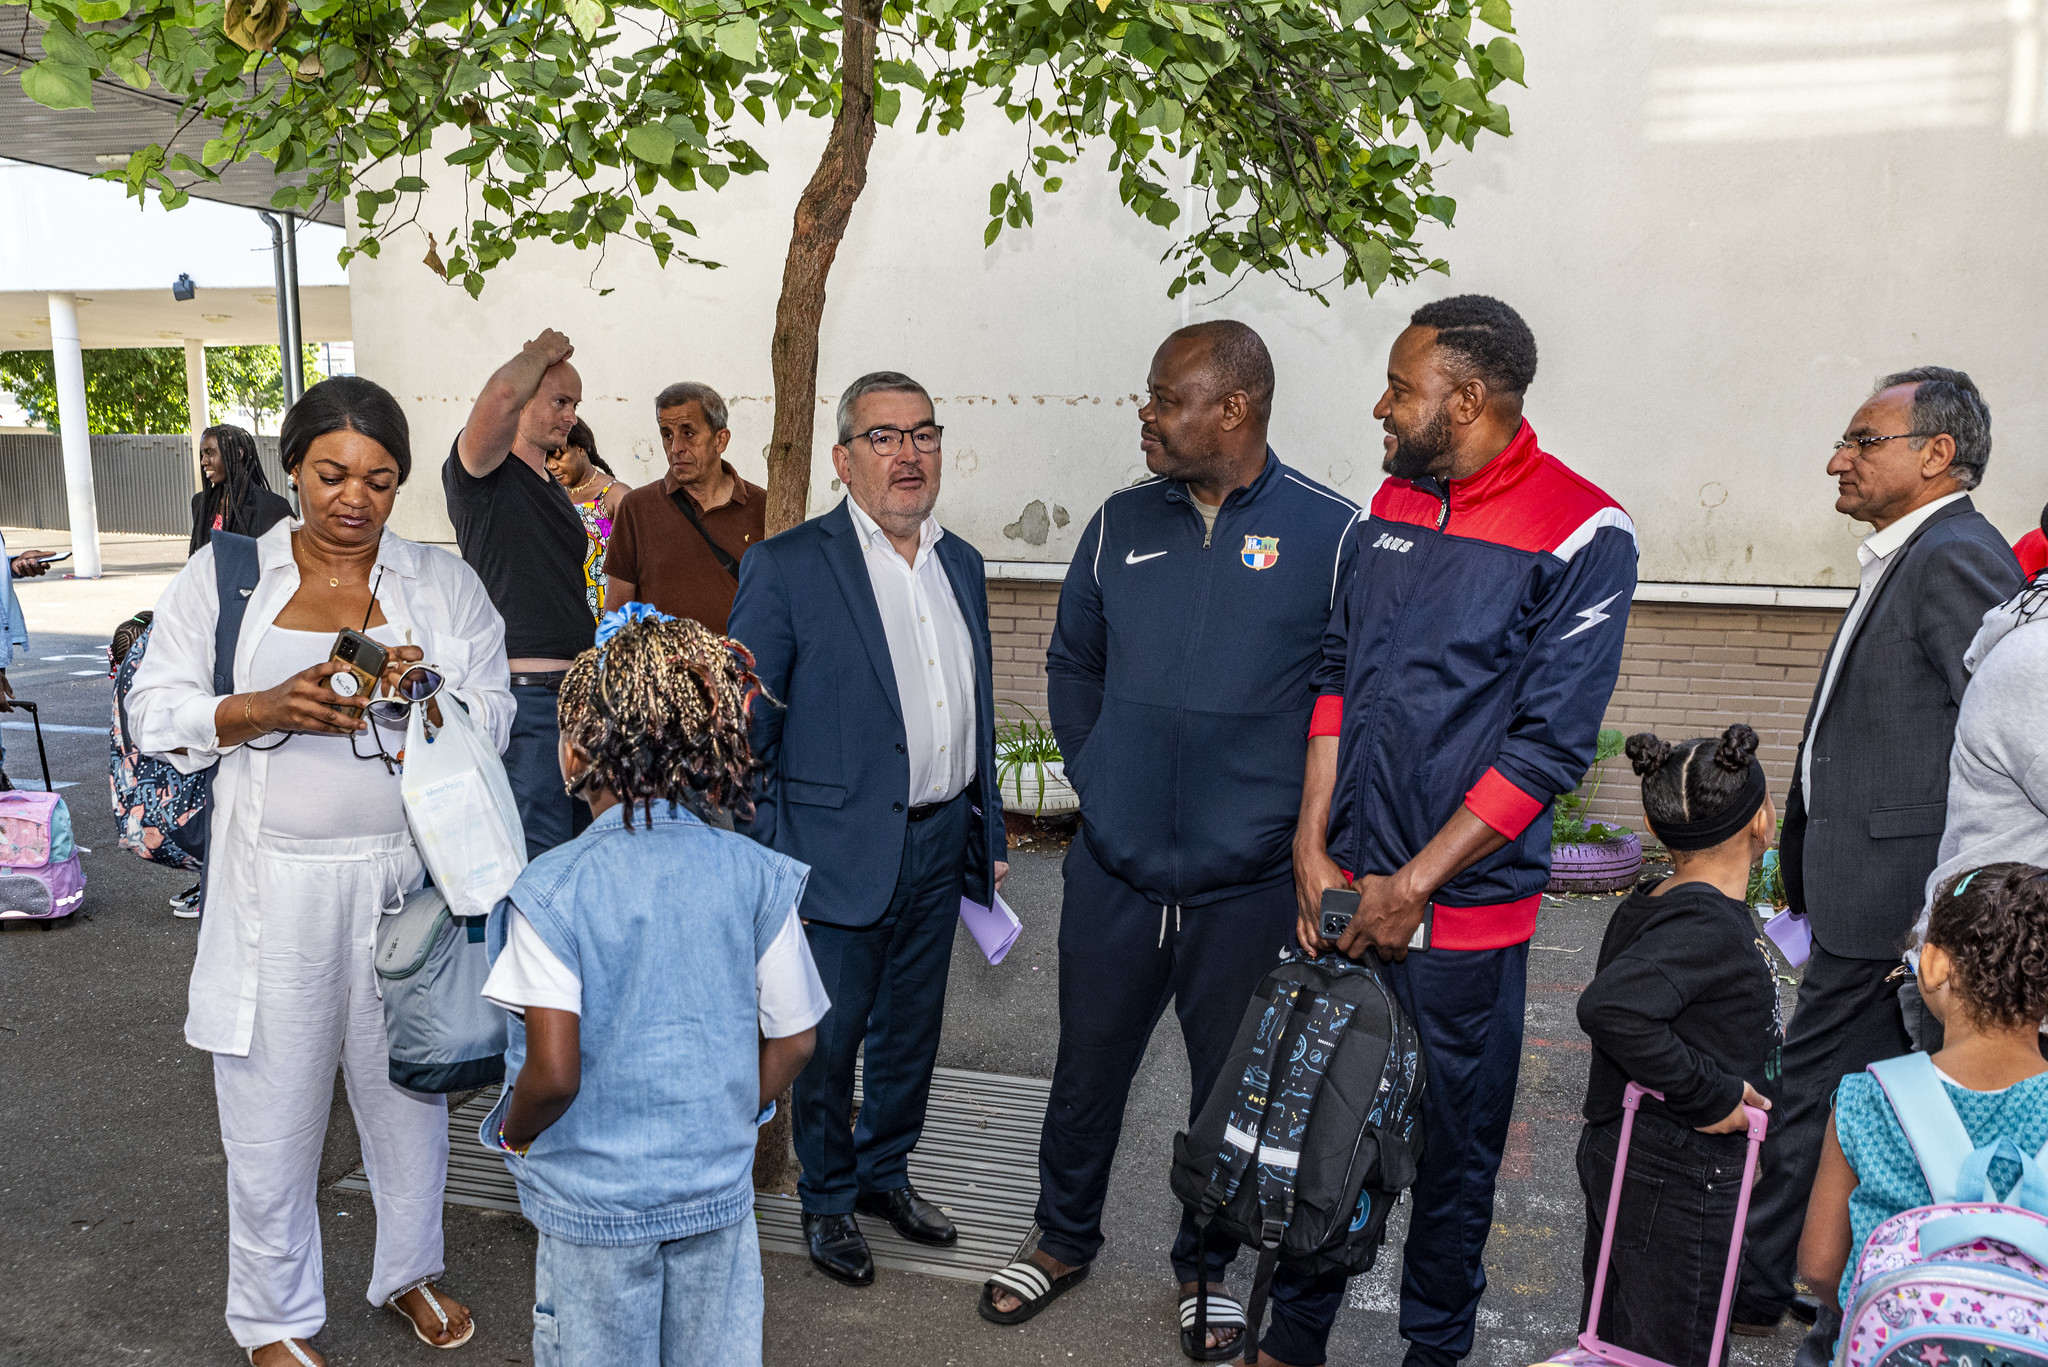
(1963, 1279)
(40, 876)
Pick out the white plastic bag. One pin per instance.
(461, 809)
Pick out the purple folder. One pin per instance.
(995, 928)
(1793, 937)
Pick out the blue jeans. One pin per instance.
(550, 816)
(687, 1301)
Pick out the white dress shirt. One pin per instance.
(1875, 557)
(933, 653)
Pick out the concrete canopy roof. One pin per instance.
(151, 318)
(121, 120)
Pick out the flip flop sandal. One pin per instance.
(426, 1288)
(292, 1347)
(1224, 1313)
(1030, 1283)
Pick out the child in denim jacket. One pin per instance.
(663, 993)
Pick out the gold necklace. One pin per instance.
(576, 492)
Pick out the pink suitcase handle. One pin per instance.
(1631, 1099)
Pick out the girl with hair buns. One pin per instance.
(663, 993)
(1683, 1003)
(1982, 965)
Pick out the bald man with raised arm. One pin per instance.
(521, 534)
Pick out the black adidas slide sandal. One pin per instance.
(1032, 1285)
(1224, 1313)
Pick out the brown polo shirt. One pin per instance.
(655, 549)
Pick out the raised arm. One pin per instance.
(494, 418)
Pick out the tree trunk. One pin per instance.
(821, 217)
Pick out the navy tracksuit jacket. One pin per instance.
(1181, 679)
(1470, 663)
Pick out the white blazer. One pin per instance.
(171, 706)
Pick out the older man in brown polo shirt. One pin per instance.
(677, 544)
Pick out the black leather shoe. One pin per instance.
(839, 1249)
(915, 1218)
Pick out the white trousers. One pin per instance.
(317, 1007)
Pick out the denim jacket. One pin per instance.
(664, 924)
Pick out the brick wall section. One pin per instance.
(1691, 670)
(1020, 617)
(1686, 671)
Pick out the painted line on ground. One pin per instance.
(53, 726)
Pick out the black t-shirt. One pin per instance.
(519, 532)
(1684, 1003)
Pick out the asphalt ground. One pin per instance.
(113, 1233)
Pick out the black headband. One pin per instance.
(1709, 831)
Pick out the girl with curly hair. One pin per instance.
(1683, 1003)
(662, 993)
(1982, 965)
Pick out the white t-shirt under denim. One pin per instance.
(788, 992)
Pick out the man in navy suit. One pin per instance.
(869, 626)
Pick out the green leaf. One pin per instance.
(409, 185)
(1506, 58)
(131, 71)
(102, 11)
(586, 15)
(887, 103)
(60, 44)
(468, 76)
(740, 37)
(651, 143)
(994, 229)
(55, 85)
(1375, 259)
(1497, 14)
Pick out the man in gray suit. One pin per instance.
(1863, 825)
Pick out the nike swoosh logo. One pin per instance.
(1133, 558)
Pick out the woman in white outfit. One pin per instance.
(308, 848)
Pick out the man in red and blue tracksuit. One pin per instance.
(1463, 681)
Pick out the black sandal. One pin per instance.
(1031, 1284)
(1224, 1313)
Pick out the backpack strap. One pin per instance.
(1920, 1103)
(1955, 1231)
(1973, 1179)
(235, 572)
(1254, 1095)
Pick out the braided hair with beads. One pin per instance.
(658, 710)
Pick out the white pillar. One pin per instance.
(69, 361)
(195, 401)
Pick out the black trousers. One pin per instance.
(1847, 1018)
(1671, 1235)
(887, 983)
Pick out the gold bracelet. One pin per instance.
(247, 720)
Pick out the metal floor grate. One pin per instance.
(977, 1160)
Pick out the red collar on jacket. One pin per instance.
(1524, 497)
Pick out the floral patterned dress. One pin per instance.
(597, 525)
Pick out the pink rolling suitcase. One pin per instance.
(1590, 1350)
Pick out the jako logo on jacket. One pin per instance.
(1470, 663)
(1180, 677)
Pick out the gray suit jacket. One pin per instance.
(1858, 848)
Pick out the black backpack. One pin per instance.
(1338, 1112)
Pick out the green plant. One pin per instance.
(142, 389)
(1305, 133)
(1023, 748)
(1767, 880)
(1568, 823)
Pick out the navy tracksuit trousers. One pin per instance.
(1467, 1005)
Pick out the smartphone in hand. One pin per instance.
(365, 661)
(1341, 904)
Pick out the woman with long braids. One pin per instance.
(237, 497)
(662, 994)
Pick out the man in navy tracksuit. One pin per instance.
(1464, 679)
(1180, 687)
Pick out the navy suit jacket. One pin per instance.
(838, 780)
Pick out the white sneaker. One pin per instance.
(185, 906)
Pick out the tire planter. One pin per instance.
(1021, 793)
(1596, 865)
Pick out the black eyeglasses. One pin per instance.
(887, 441)
(1865, 443)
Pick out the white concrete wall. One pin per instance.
(1722, 220)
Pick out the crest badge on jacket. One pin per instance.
(1261, 552)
